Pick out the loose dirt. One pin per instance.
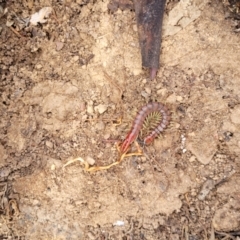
(65, 85)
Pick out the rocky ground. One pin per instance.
(66, 83)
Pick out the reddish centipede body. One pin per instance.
(139, 121)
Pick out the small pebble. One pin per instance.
(9, 23)
(90, 160)
(148, 90)
(75, 58)
(192, 159)
(100, 126)
(193, 193)
(59, 45)
(207, 187)
(179, 98)
(100, 155)
(101, 108)
(106, 136)
(135, 28)
(35, 202)
(191, 209)
(113, 106)
(38, 66)
(162, 92)
(49, 144)
(171, 99)
(53, 167)
(177, 125)
(137, 71)
(90, 109)
(118, 223)
(144, 94)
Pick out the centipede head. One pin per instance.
(124, 146)
(127, 142)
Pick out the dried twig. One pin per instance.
(17, 33)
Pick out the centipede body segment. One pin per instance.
(153, 119)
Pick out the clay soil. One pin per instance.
(65, 86)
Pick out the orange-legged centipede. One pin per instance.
(156, 111)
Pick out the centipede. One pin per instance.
(150, 121)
